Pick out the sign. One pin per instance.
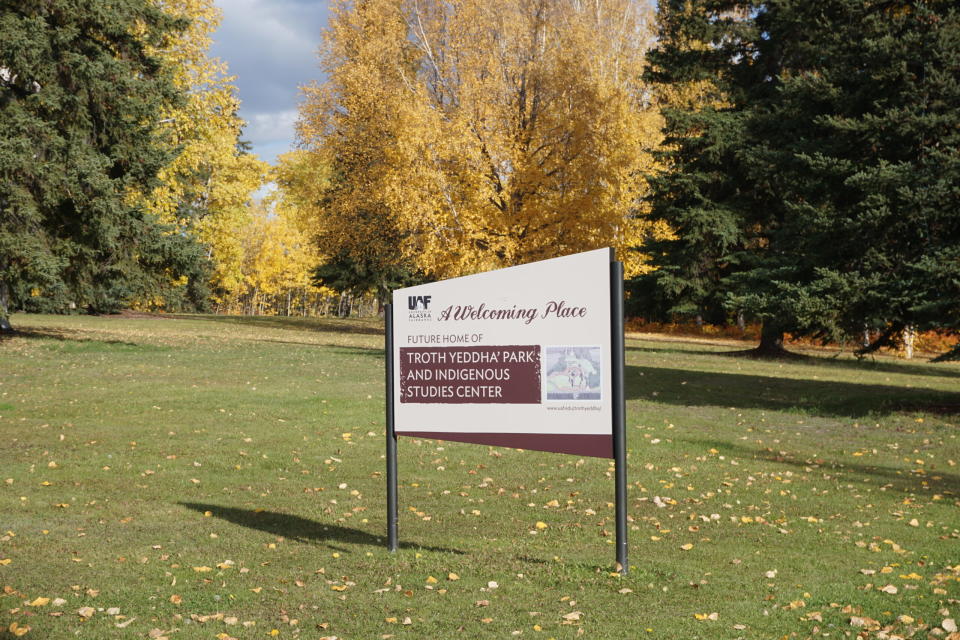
(519, 357)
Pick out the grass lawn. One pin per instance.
(214, 477)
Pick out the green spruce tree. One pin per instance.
(859, 137)
(79, 109)
(821, 197)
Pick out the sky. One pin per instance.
(271, 47)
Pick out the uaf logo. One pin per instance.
(419, 308)
(418, 303)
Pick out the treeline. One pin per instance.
(793, 165)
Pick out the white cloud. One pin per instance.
(271, 126)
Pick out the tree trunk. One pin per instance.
(5, 308)
(909, 337)
(771, 342)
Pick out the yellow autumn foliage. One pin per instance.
(472, 135)
(206, 190)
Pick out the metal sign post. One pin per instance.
(617, 354)
(392, 542)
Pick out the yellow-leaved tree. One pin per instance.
(477, 134)
(206, 191)
(277, 266)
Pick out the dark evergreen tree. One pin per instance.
(347, 274)
(701, 193)
(837, 183)
(79, 107)
(860, 138)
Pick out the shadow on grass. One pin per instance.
(301, 529)
(71, 340)
(333, 325)
(828, 362)
(684, 387)
(346, 350)
(897, 479)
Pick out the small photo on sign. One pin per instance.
(572, 373)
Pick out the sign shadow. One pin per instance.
(302, 529)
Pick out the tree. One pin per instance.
(80, 99)
(824, 184)
(205, 191)
(861, 129)
(696, 190)
(472, 135)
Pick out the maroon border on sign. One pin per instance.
(597, 446)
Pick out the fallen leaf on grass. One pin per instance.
(203, 569)
(40, 602)
(452, 576)
(707, 616)
(86, 612)
(176, 599)
(124, 624)
(889, 589)
(865, 622)
(686, 547)
(573, 616)
(18, 629)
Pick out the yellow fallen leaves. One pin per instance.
(176, 599)
(706, 616)
(203, 569)
(86, 612)
(431, 580)
(5, 561)
(452, 576)
(40, 602)
(686, 547)
(18, 630)
(541, 525)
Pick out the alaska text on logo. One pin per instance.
(419, 308)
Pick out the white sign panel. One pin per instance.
(515, 357)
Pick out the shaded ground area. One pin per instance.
(302, 529)
(686, 387)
